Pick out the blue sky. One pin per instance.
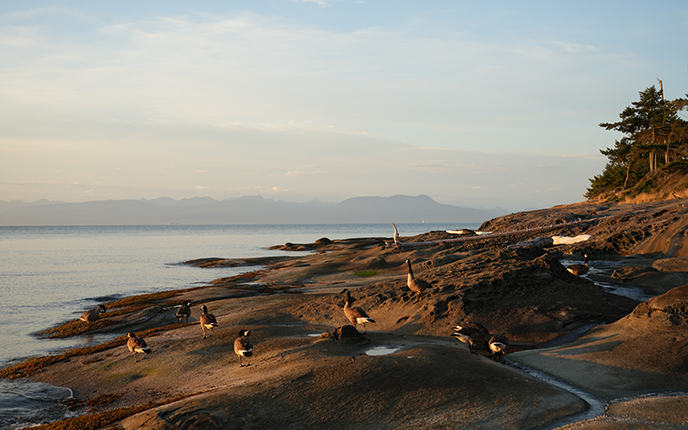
(478, 105)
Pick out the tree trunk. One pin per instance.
(653, 160)
(628, 175)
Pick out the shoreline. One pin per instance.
(522, 292)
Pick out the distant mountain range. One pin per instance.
(243, 210)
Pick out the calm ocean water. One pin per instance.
(50, 275)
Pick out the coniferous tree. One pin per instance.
(651, 126)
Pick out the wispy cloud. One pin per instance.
(414, 100)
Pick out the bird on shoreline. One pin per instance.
(208, 321)
(579, 269)
(93, 314)
(472, 334)
(184, 312)
(137, 345)
(243, 347)
(498, 345)
(355, 314)
(416, 285)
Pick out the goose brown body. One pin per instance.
(184, 312)
(243, 347)
(93, 314)
(137, 345)
(414, 284)
(579, 269)
(208, 321)
(355, 314)
(473, 334)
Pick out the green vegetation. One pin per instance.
(365, 273)
(652, 153)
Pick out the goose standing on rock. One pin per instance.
(208, 321)
(137, 345)
(184, 312)
(472, 334)
(579, 269)
(498, 345)
(243, 347)
(355, 315)
(416, 285)
(93, 314)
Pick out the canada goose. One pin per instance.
(355, 315)
(417, 285)
(208, 321)
(498, 345)
(184, 312)
(243, 347)
(579, 269)
(396, 234)
(137, 344)
(93, 314)
(472, 334)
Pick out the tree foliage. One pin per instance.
(651, 127)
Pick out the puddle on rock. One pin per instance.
(634, 293)
(382, 350)
(604, 269)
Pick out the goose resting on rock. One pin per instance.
(472, 334)
(498, 345)
(356, 315)
(137, 345)
(579, 269)
(243, 347)
(208, 321)
(93, 314)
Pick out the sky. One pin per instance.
(475, 104)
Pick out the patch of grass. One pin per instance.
(366, 273)
(129, 374)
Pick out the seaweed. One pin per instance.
(102, 419)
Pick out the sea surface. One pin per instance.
(51, 275)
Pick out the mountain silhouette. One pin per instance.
(242, 210)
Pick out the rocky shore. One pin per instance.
(407, 371)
